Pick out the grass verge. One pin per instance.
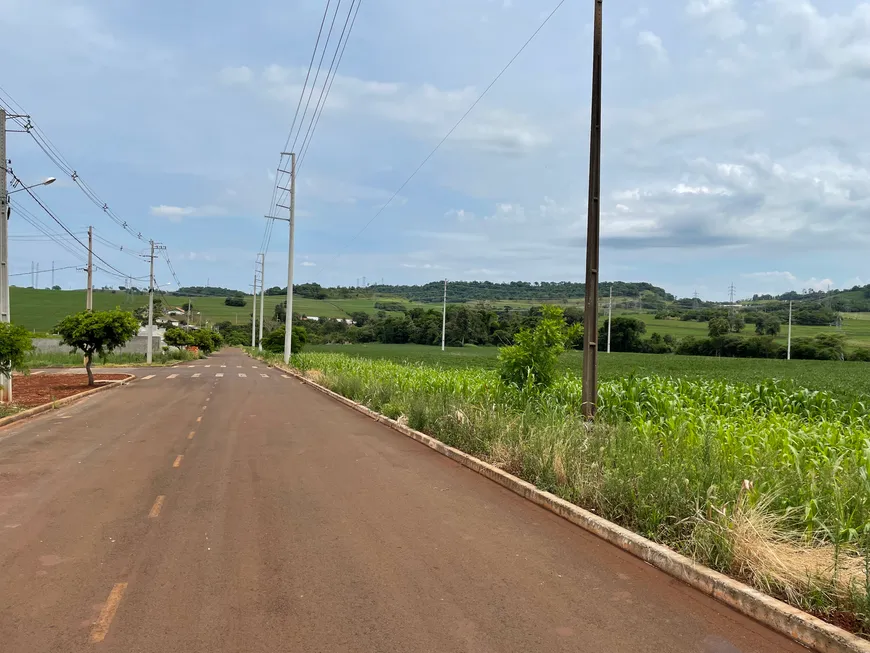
(37, 360)
(766, 482)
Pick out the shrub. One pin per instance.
(235, 300)
(15, 344)
(533, 359)
(176, 337)
(274, 342)
(207, 341)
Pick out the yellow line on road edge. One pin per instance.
(177, 462)
(158, 504)
(101, 627)
(190, 435)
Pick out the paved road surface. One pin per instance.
(219, 507)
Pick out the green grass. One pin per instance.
(846, 381)
(38, 360)
(41, 310)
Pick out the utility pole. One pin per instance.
(262, 294)
(189, 307)
(444, 318)
(254, 313)
(32, 274)
(90, 299)
(288, 331)
(37, 276)
(4, 243)
(609, 317)
(52, 275)
(788, 350)
(590, 342)
(149, 347)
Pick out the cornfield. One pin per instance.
(684, 462)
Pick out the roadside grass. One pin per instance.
(847, 382)
(37, 359)
(765, 481)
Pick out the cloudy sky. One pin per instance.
(735, 139)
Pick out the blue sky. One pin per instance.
(735, 139)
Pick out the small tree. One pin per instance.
(718, 326)
(206, 341)
(97, 332)
(274, 342)
(15, 343)
(176, 337)
(533, 359)
(187, 306)
(235, 300)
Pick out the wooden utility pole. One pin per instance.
(590, 320)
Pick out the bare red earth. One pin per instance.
(37, 389)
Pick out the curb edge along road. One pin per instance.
(802, 627)
(66, 401)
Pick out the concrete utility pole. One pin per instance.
(52, 275)
(189, 307)
(4, 243)
(90, 299)
(254, 313)
(788, 349)
(262, 294)
(590, 320)
(609, 317)
(149, 347)
(444, 318)
(288, 332)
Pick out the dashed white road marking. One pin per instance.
(208, 365)
(197, 375)
(223, 365)
(239, 366)
(254, 367)
(219, 375)
(150, 376)
(243, 375)
(172, 376)
(265, 376)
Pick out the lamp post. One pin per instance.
(5, 214)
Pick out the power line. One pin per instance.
(36, 199)
(327, 87)
(279, 174)
(454, 128)
(54, 154)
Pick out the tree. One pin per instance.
(176, 337)
(768, 325)
(58, 288)
(625, 334)
(274, 342)
(736, 323)
(718, 327)
(532, 360)
(15, 343)
(206, 340)
(187, 306)
(235, 300)
(97, 332)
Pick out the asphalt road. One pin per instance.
(220, 507)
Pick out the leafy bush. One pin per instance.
(534, 357)
(206, 341)
(235, 300)
(274, 342)
(176, 337)
(15, 344)
(97, 332)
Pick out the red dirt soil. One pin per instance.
(37, 389)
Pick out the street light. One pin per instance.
(48, 182)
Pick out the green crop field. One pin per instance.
(847, 381)
(40, 310)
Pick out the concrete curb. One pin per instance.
(803, 628)
(66, 401)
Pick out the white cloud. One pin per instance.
(653, 42)
(719, 16)
(178, 213)
(235, 75)
(459, 214)
(309, 264)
